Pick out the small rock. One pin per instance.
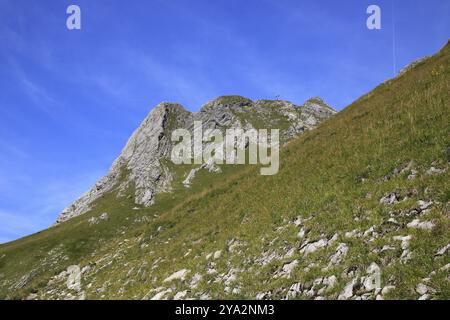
(160, 295)
(387, 289)
(446, 209)
(434, 170)
(236, 291)
(333, 239)
(180, 295)
(313, 246)
(31, 296)
(104, 216)
(217, 254)
(426, 225)
(391, 198)
(233, 245)
(372, 281)
(421, 289)
(294, 290)
(290, 253)
(424, 205)
(445, 268)
(205, 296)
(74, 278)
(387, 248)
(339, 255)
(412, 175)
(406, 255)
(317, 281)
(310, 293)
(347, 293)
(301, 233)
(195, 280)
(330, 282)
(443, 250)
(288, 268)
(393, 221)
(86, 269)
(351, 234)
(211, 271)
(424, 297)
(263, 295)
(298, 221)
(179, 275)
(405, 241)
(369, 231)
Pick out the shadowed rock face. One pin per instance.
(140, 162)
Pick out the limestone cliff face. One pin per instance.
(141, 162)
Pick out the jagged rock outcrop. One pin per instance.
(139, 161)
(142, 161)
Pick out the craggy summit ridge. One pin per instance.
(141, 161)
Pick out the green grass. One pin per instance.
(325, 175)
(227, 100)
(268, 116)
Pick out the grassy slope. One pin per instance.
(325, 175)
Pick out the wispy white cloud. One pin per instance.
(13, 226)
(42, 204)
(139, 75)
(37, 93)
(179, 81)
(9, 150)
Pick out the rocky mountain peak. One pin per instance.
(142, 161)
(226, 102)
(318, 107)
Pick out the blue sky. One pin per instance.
(69, 100)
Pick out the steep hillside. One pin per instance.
(366, 193)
